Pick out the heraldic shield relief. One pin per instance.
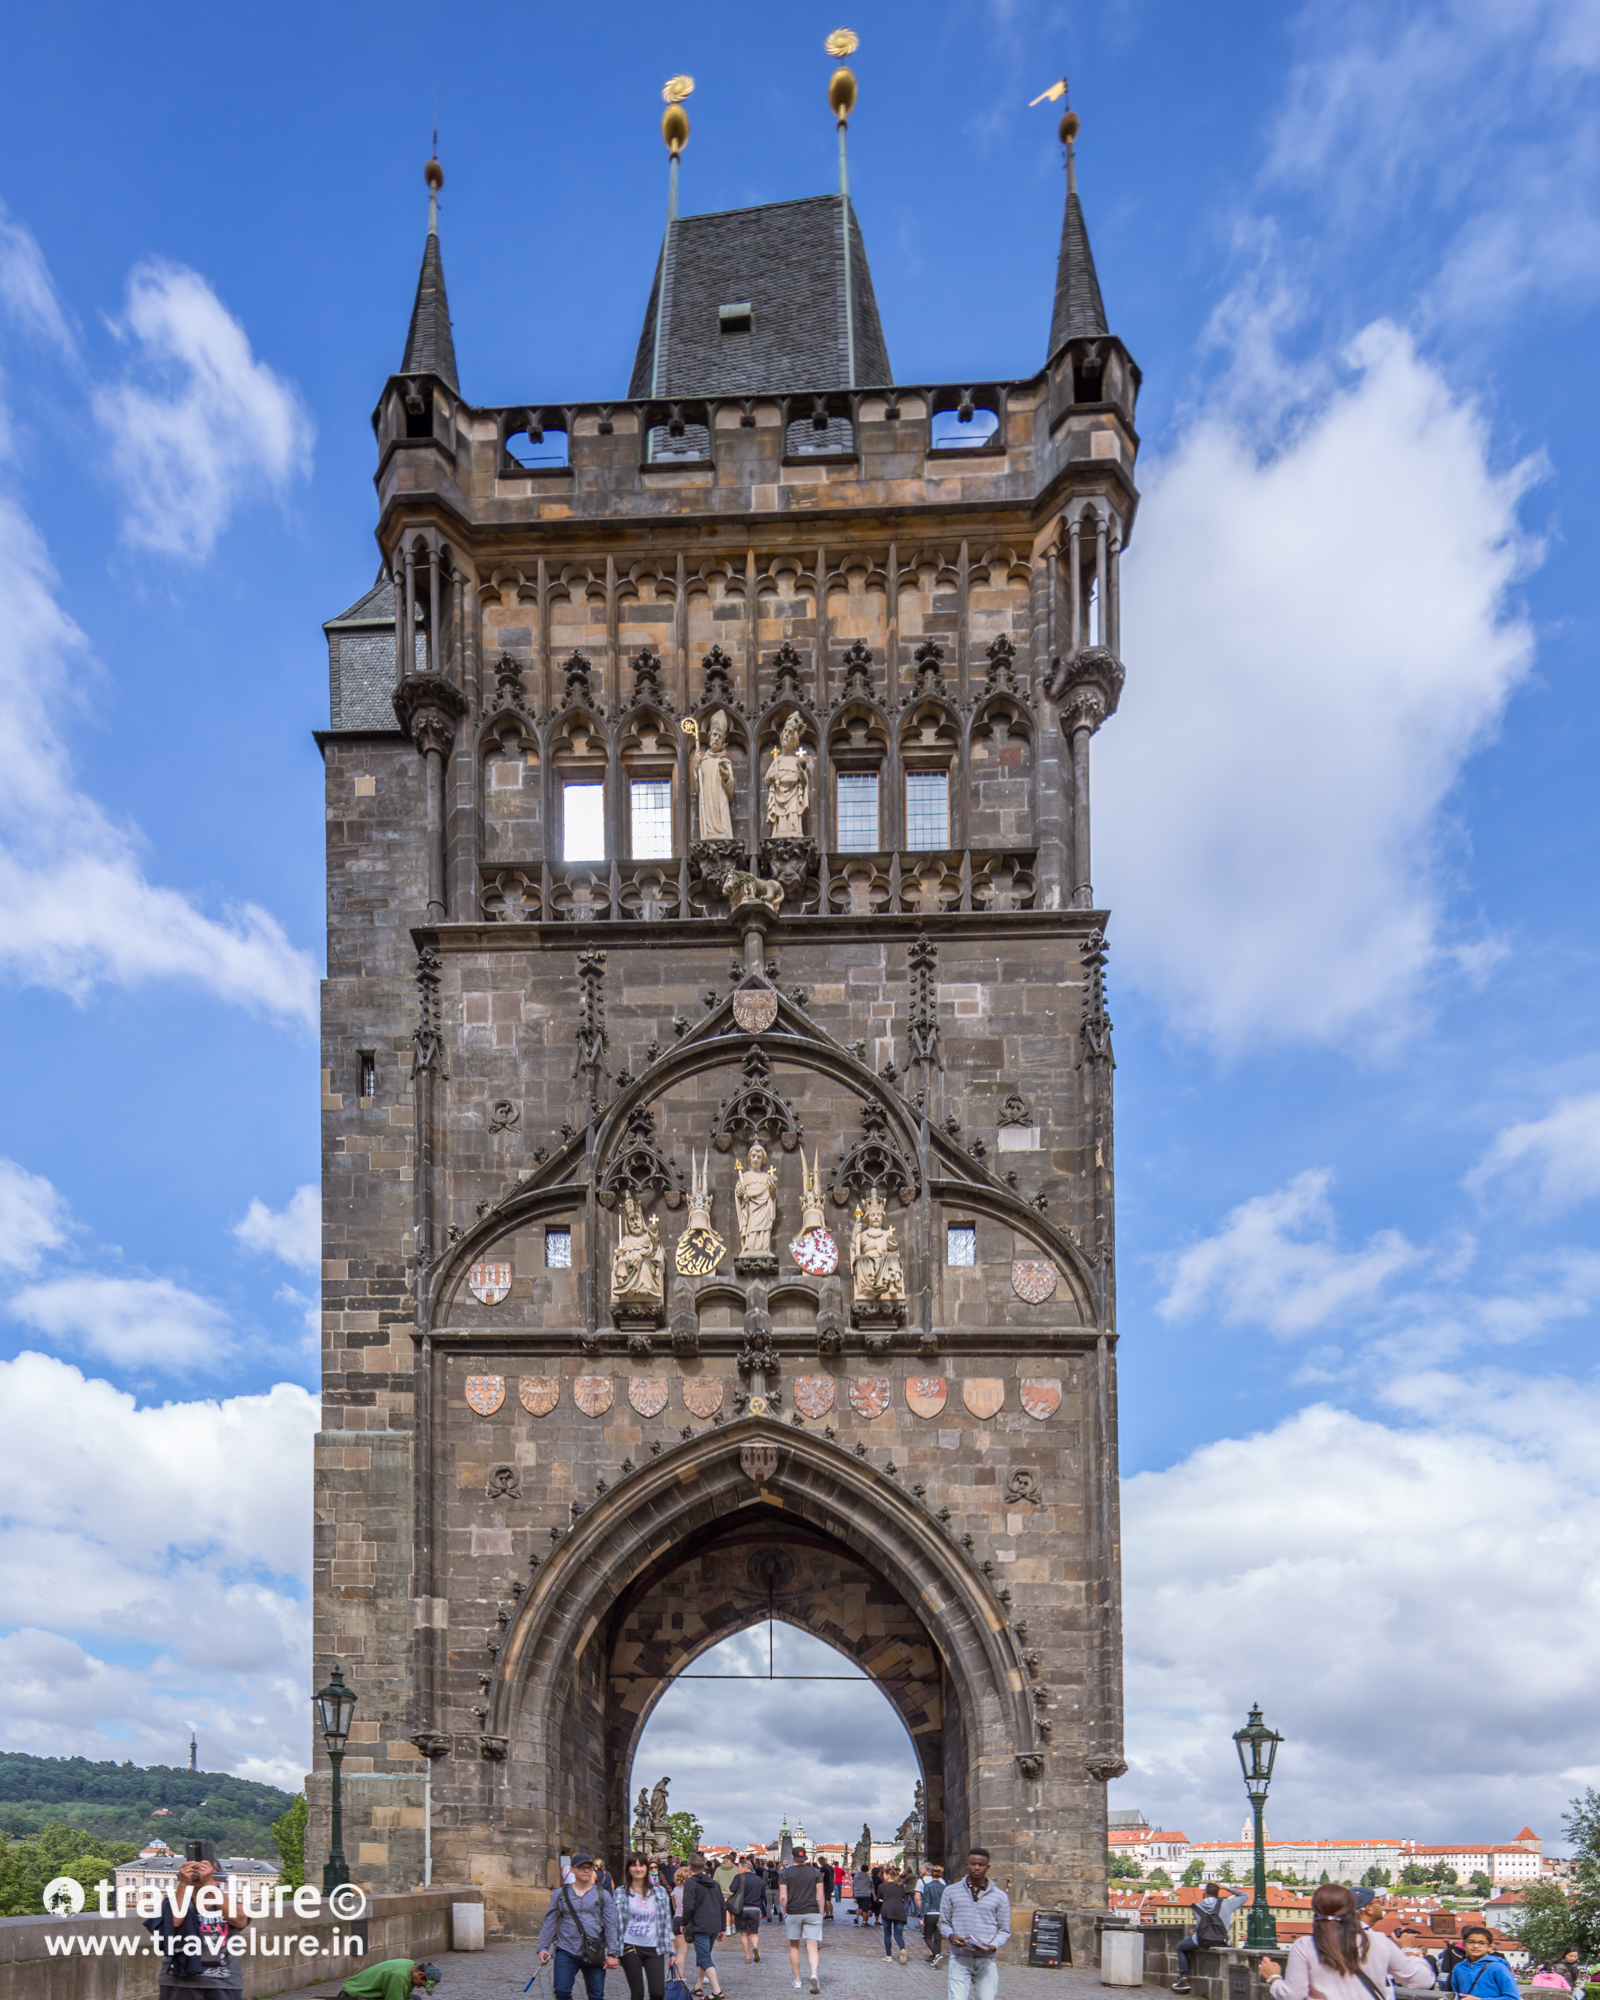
(702, 1395)
(815, 1251)
(592, 1394)
(489, 1283)
(869, 1395)
(1041, 1396)
(813, 1395)
(485, 1393)
(983, 1395)
(925, 1394)
(699, 1253)
(755, 1009)
(539, 1394)
(648, 1394)
(1034, 1279)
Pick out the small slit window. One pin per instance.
(650, 803)
(583, 822)
(858, 812)
(951, 431)
(735, 318)
(961, 1244)
(927, 810)
(368, 1059)
(558, 1249)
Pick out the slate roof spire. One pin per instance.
(1079, 313)
(429, 348)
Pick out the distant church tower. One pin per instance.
(717, 1075)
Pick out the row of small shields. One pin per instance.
(1033, 1279)
(869, 1395)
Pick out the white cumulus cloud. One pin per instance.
(135, 1322)
(1276, 1261)
(33, 1217)
(27, 293)
(1555, 1158)
(198, 425)
(1314, 652)
(292, 1233)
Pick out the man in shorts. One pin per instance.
(800, 1899)
(748, 1900)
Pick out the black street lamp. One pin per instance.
(1258, 1746)
(335, 1705)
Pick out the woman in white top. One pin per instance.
(644, 1924)
(1340, 1960)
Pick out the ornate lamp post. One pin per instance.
(335, 1705)
(1257, 1746)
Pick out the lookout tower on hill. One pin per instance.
(717, 1086)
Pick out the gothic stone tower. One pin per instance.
(717, 1089)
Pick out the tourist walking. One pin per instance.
(1210, 1931)
(748, 1902)
(877, 1894)
(930, 1893)
(580, 1929)
(705, 1913)
(861, 1888)
(975, 1917)
(726, 1870)
(893, 1895)
(1342, 1961)
(644, 1926)
(800, 1898)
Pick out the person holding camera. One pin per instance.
(580, 1927)
(192, 1932)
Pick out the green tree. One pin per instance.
(1479, 1883)
(1446, 1877)
(687, 1832)
(1123, 1868)
(1158, 1878)
(1193, 1875)
(1549, 1924)
(1225, 1872)
(27, 1865)
(1323, 1876)
(1412, 1876)
(1375, 1878)
(290, 1835)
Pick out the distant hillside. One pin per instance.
(126, 1802)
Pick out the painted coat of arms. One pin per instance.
(702, 1395)
(869, 1395)
(489, 1283)
(758, 1461)
(925, 1394)
(485, 1393)
(755, 1010)
(813, 1395)
(539, 1394)
(592, 1394)
(1041, 1396)
(648, 1394)
(983, 1395)
(1033, 1279)
(815, 1251)
(699, 1252)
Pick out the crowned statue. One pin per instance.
(788, 784)
(875, 1267)
(711, 776)
(755, 1201)
(638, 1270)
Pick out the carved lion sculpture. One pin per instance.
(739, 886)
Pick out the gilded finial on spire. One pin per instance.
(675, 131)
(433, 174)
(842, 84)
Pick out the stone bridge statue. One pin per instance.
(862, 1857)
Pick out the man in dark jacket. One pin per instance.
(747, 1899)
(705, 1913)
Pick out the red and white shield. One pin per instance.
(648, 1394)
(813, 1395)
(1041, 1396)
(925, 1394)
(815, 1252)
(755, 1009)
(485, 1393)
(869, 1395)
(489, 1283)
(592, 1394)
(1033, 1279)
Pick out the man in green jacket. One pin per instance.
(391, 1979)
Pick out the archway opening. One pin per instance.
(774, 1728)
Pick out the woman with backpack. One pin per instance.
(644, 1925)
(1341, 1960)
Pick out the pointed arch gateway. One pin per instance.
(570, 1696)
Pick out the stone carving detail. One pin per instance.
(648, 1394)
(1001, 677)
(928, 660)
(756, 1109)
(869, 1395)
(591, 1029)
(1088, 686)
(1096, 1021)
(719, 678)
(830, 1319)
(1041, 1396)
(1033, 1279)
(711, 776)
(925, 1394)
(685, 1322)
(505, 1115)
(1104, 1768)
(592, 1394)
(638, 1268)
(1030, 1764)
(702, 1395)
(640, 1166)
(485, 1393)
(432, 1743)
(922, 1027)
(647, 679)
(1016, 1111)
(489, 1283)
(740, 887)
(577, 692)
(700, 1249)
(875, 1162)
(427, 707)
(755, 1009)
(788, 784)
(504, 1483)
(758, 1462)
(427, 1038)
(814, 1249)
(813, 1395)
(857, 664)
(539, 1394)
(983, 1395)
(494, 1748)
(877, 1274)
(755, 1201)
(1023, 1488)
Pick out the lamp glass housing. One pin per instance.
(1257, 1746)
(335, 1706)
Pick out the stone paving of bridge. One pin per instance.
(853, 1968)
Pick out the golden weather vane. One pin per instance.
(1049, 96)
(842, 42)
(677, 88)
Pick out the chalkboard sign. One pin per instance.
(1047, 1939)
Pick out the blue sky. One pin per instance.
(1346, 816)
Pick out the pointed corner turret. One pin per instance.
(1079, 312)
(430, 348)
